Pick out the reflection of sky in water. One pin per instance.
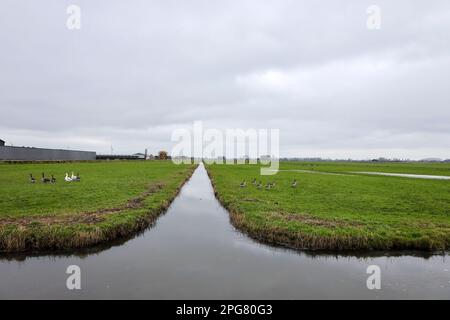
(194, 252)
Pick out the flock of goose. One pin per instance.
(268, 186)
(44, 179)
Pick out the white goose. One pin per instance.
(67, 178)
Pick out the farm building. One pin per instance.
(40, 154)
(134, 156)
(140, 156)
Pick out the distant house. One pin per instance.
(2, 143)
(139, 156)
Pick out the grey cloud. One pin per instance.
(137, 70)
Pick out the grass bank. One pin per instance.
(339, 212)
(113, 199)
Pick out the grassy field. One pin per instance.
(339, 212)
(442, 169)
(113, 199)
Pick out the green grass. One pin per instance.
(442, 169)
(340, 211)
(113, 199)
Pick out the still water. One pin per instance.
(406, 175)
(194, 253)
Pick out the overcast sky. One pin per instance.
(137, 70)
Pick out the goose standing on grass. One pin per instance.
(32, 179)
(53, 179)
(268, 186)
(44, 179)
(294, 184)
(73, 177)
(77, 177)
(254, 182)
(67, 178)
(259, 186)
(243, 184)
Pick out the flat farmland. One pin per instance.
(111, 200)
(334, 208)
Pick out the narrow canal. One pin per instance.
(194, 253)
